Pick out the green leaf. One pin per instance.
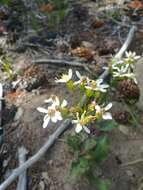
(101, 150)
(88, 93)
(90, 144)
(5, 2)
(102, 184)
(74, 142)
(107, 125)
(70, 85)
(96, 94)
(99, 183)
(80, 168)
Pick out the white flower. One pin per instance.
(80, 124)
(131, 59)
(65, 77)
(131, 56)
(82, 79)
(131, 76)
(51, 114)
(120, 71)
(102, 111)
(55, 101)
(97, 85)
(124, 71)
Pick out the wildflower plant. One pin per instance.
(91, 119)
(88, 119)
(124, 68)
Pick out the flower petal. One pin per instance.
(89, 87)
(108, 107)
(97, 108)
(48, 100)
(77, 82)
(86, 129)
(107, 116)
(46, 121)
(78, 128)
(99, 81)
(74, 121)
(45, 117)
(58, 115)
(102, 89)
(78, 74)
(54, 119)
(64, 103)
(60, 80)
(70, 74)
(59, 118)
(42, 110)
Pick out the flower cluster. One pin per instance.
(123, 68)
(95, 85)
(99, 113)
(83, 117)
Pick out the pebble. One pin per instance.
(124, 129)
(19, 114)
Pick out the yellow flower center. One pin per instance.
(65, 77)
(83, 79)
(53, 97)
(93, 84)
(82, 122)
(51, 112)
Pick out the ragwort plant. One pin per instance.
(91, 119)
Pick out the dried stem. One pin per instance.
(134, 162)
(59, 62)
(22, 182)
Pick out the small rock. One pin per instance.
(124, 129)
(6, 162)
(129, 173)
(18, 114)
(51, 162)
(45, 176)
(41, 185)
(87, 44)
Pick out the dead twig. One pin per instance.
(134, 162)
(22, 182)
(62, 63)
(140, 187)
(126, 43)
(64, 126)
(59, 62)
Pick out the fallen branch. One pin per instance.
(140, 187)
(59, 62)
(60, 129)
(22, 183)
(134, 162)
(126, 43)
